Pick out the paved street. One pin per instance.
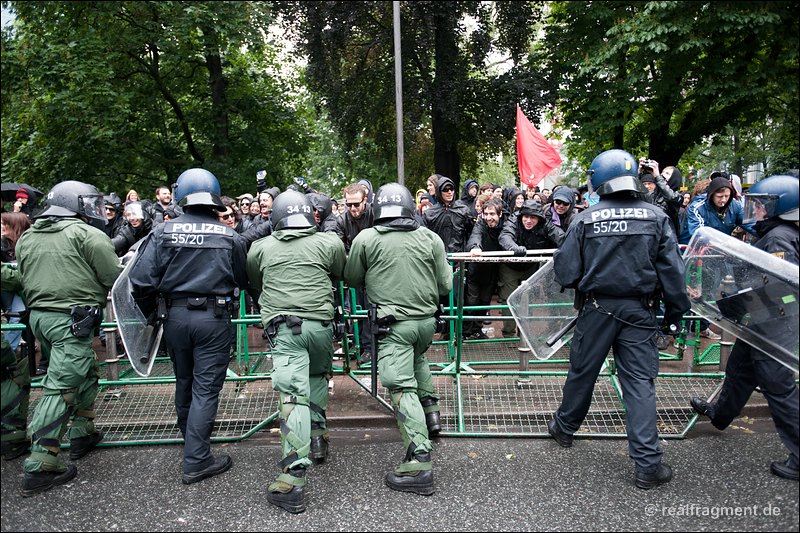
(722, 483)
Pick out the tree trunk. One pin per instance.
(219, 101)
(444, 104)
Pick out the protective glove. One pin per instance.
(520, 251)
(672, 322)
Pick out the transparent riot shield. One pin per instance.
(140, 339)
(544, 312)
(748, 292)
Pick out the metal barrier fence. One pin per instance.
(489, 387)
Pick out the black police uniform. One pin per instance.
(618, 253)
(748, 367)
(196, 264)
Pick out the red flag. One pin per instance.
(535, 156)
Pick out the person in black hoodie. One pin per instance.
(448, 218)
(529, 230)
(469, 191)
(482, 277)
(561, 212)
(137, 225)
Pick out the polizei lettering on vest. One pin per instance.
(620, 213)
(201, 227)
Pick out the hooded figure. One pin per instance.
(716, 209)
(449, 218)
(560, 215)
(468, 196)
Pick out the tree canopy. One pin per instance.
(132, 93)
(129, 93)
(456, 105)
(659, 78)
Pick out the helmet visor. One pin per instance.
(92, 206)
(619, 184)
(759, 207)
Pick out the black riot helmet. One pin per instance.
(291, 209)
(75, 198)
(393, 201)
(198, 186)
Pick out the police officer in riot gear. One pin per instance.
(618, 255)
(772, 204)
(67, 265)
(405, 270)
(293, 269)
(188, 272)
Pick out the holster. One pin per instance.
(338, 324)
(84, 320)
(295, 323)
(220, 306)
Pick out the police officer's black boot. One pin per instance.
(648, 480)
(78, 448)
(36, 482)
(432, 417)
(418, 482)
(319, 444)
(287, 496)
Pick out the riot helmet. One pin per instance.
(393, 201)
(775, 196)
(614, 171)
(75, 198)
(291, 209)
(198, 186)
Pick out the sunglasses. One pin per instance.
(226, 216)
(245, 204)
(559, 202)
(447, 189)
(354, 204)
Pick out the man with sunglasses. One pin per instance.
(357, 217)
(561, 212)
(449, 219)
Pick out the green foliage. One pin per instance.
(457, 108)
(129, 94)
(658, 78)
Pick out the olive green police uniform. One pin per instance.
(64, 262)
(293, 268)
(404, 269)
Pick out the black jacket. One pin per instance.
(452, 223)
(623, 247)
(193, 255)
(514, 237)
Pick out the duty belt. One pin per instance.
(183, 302)
(646, 300)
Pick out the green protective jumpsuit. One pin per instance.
(64, 262)
(293, 270)
(404, 273)
(16, 380)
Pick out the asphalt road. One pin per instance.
(722, 483)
